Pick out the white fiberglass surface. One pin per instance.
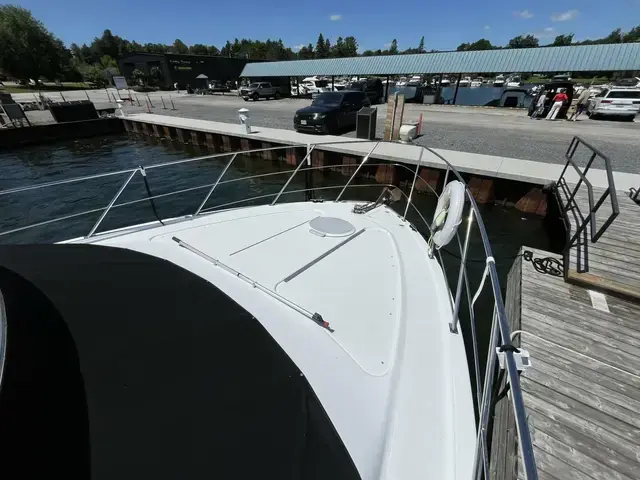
(392, 378)
(357, 289)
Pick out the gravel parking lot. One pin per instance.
(502, 132)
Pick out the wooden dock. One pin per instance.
(613, 262)
(582, 392)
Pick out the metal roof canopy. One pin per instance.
(618, 56)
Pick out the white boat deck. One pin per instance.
(391, 376)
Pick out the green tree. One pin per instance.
(482, 44)
(27, 49)
(563, 40)
(198, 49)
(107, 62)
(306, 53)
(526, 41)
(393, 49)
(632, 35)
(614, 37)
(421, 46)
(94, 75)
(321, 47)
(350, 47)
(156, 77)
(337, 50)
(138, 77)
(212, 50)
(179, 47)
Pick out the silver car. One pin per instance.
(615, 101)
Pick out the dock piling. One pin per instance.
(164, 107)
(150, 103)
(173, 107)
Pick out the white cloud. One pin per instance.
(548, 32)
(523, 14)
(564, 16)
(297, 48)
(335, 18)
(487, 27)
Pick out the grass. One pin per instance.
(46, 88)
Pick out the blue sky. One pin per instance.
(374, 23)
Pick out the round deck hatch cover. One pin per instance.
(331, 227)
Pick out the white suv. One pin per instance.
(618, 101)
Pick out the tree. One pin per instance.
(338, 49)
(482, 44)
(327, 47)
(421, 45)
(213, 50)
(527, 41)
(393, 49)
(198, 49)
(350, 47)
(156, 77)
(614, 37)
(179, 47)
(226, 50)
(138, 77)
(306, 53)
(107, 62)
(95, 75)
(563, 40)
(321, 47)
(28, 50)
(632, 35)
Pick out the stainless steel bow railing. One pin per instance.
(500, 331)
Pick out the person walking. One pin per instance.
(558, 101)
(583, 102)
(539, 106)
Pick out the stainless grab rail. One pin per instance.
(500, 331)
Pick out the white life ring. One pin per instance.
(448, 214)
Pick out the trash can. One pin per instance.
(366, 123)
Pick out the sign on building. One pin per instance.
(120, 83)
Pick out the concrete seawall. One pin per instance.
(53, 132)
(500, 180)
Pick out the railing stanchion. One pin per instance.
(113, 200)
(453, 325)
(309, 150)
(415, 177)
(364, 160)
(224, 170)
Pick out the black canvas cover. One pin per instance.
(120, 365)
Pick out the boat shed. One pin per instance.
(579, 58)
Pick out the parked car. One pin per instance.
(615, 101)
(258, 90)
(372, 87)
(331, 112)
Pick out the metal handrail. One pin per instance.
(572, 205)
(634, 194)
(500, 333)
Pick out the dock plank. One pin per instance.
(582, 391)
(613, 262)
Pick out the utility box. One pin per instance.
(366, 123)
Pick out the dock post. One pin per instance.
(152, 106)
(87, 94)
(455, 94)
(386, 90)
(164, 107)
(173, 107)
(138, 100)
(63, 99)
